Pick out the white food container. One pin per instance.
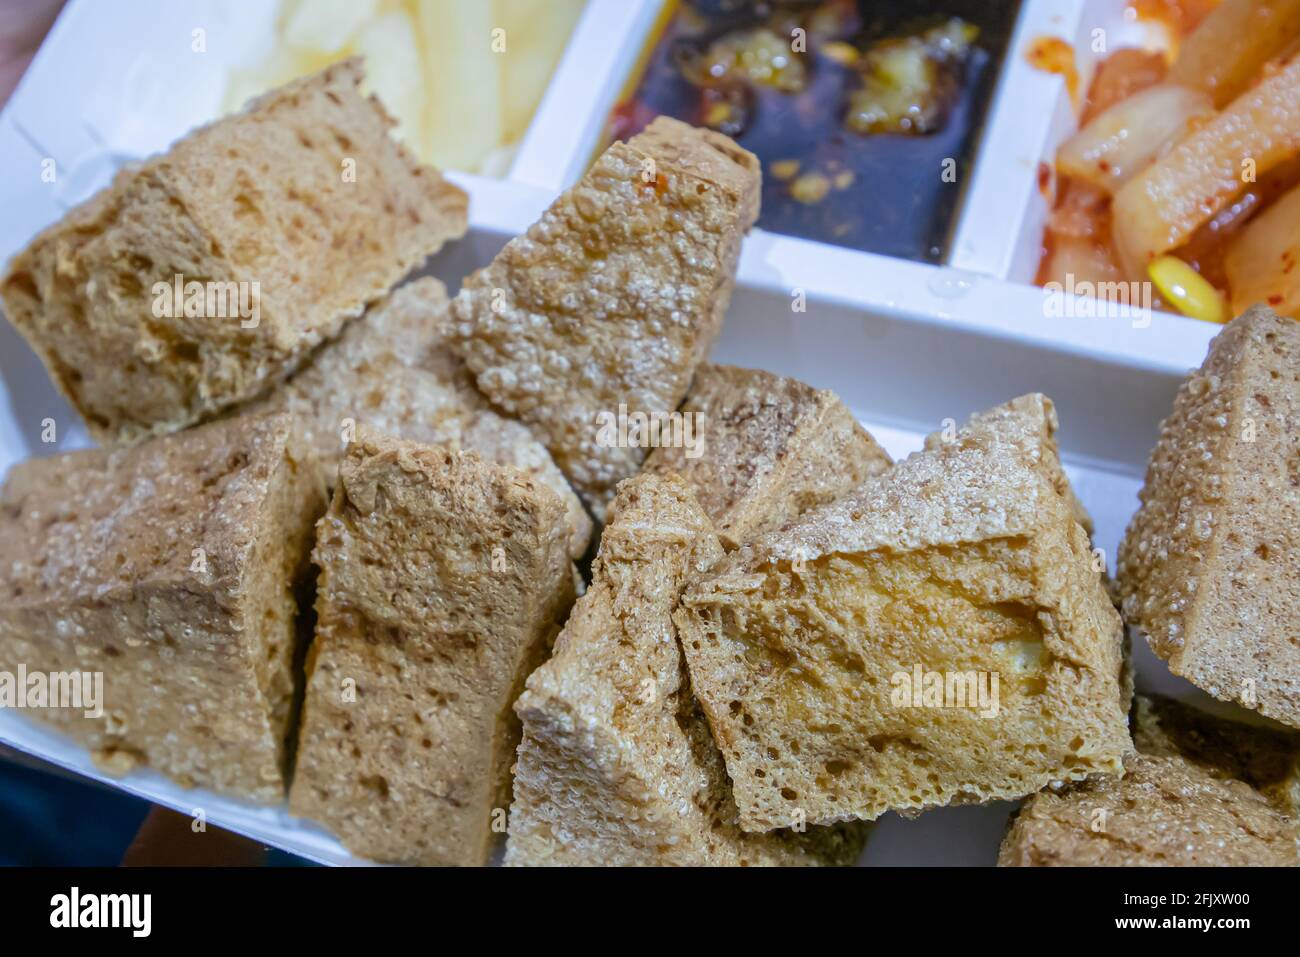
(906, 345)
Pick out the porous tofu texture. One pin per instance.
(168, 567)
(303, 200)
(617, 766)
(1164, 811)
(1263, 754)
(765, 449)
(443, 580)
(964, 565)
(613, 297)
(1209, 569)
(1203, 790)
(392, 371)
(1027, 423)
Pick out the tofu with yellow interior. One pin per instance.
(941, 636)
(616, 766)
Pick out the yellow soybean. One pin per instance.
(1187, 290)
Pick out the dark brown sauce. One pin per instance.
(882, 192)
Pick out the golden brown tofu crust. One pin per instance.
(1163, 812)
(304, 194)
(769, 449)
(962, 560)
(393, 372)
(1203, 791)
(169, 567)
(613, 297)
(617, 766)
(1209, 569)
(1028, 424)
(443, 580)
(1265, 757)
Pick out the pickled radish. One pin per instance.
(1225, 53)
(1125, 139)
(1073, 261)
(1263, 261)
(1161, 207)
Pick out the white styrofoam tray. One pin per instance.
(906, 345)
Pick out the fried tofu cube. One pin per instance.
(1265, 756)
(617, 766)
(1209, 569)
(169, 568)
(1162, 812)
(443, 581)
(765, 449)
(203, 276)
(1029, 424)
(391, 371)
(1202, 791)
(940, 636)
(611, 300)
